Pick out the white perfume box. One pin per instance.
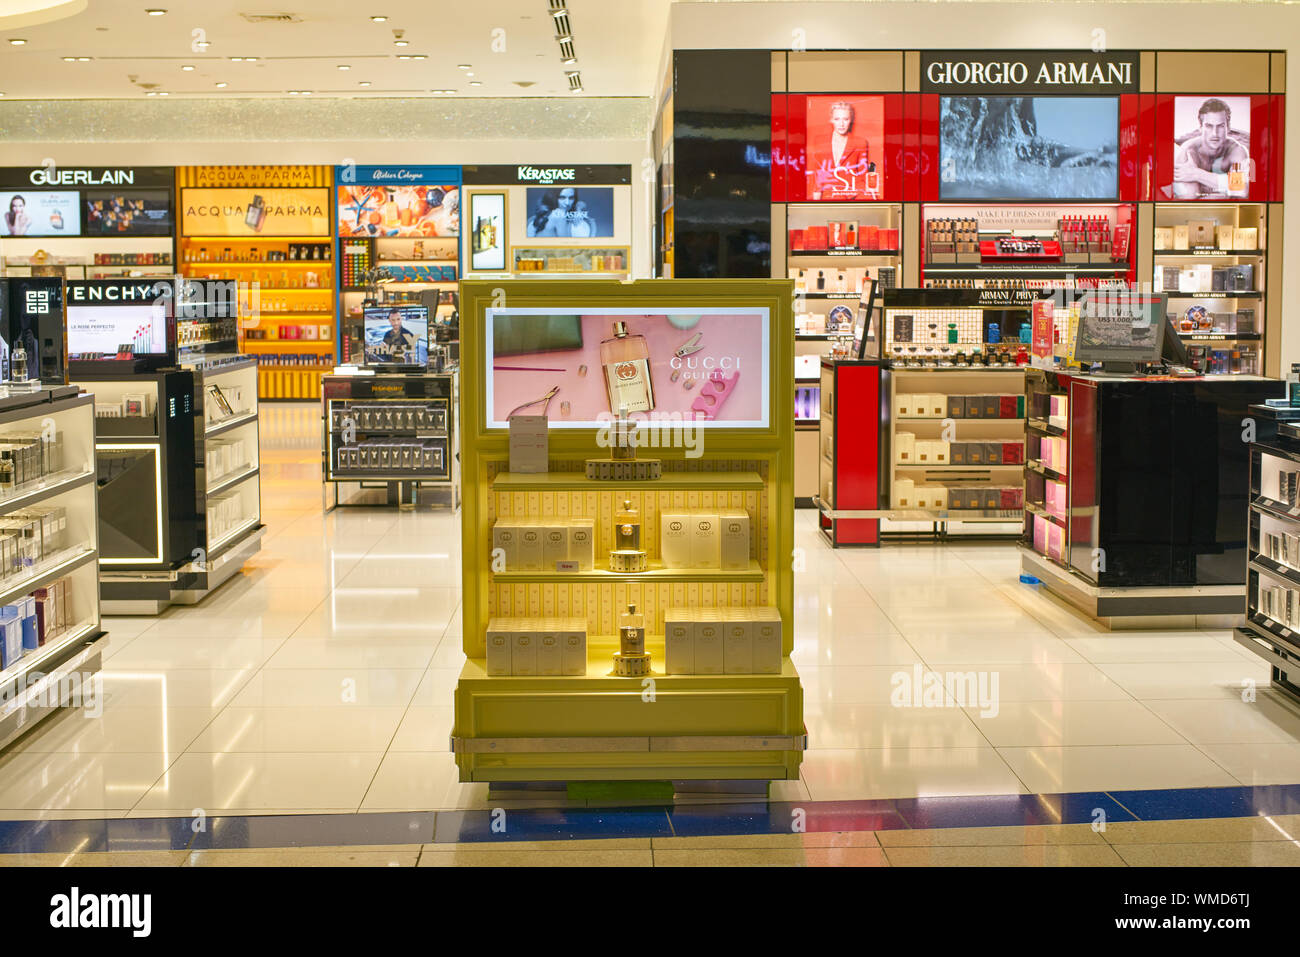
(499, 646)
(733, 539)
(737, 643)
(675, 538)
(574, 654)
(708, 633)
(550, 651)
(766, 639)
(679, 642)
(582, 543)
(528, 546)
(705, 541)
(1204, 277)
(505, 535)
(523, 651)
(555, 545)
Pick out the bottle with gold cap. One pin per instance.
(632, 660)
(627, 555)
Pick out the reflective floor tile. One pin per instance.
(1071, 723)
(329, 687)
(891, 773)
(991, 836)
(1262, 854)
(461, 858)
(1207, 680)
(215, 782)
(166, 731)
(1028, 855)
(1079, 768)
(405, 856)
(1266, 719)
(1282, 827)
(777, 857)
(424, 729)
(300, 729)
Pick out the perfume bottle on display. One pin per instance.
(631, 660)
(627, 555)
(626, 361)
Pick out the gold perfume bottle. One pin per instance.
(628, 555)
(631, 660)
(626, 361)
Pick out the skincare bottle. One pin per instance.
(626, 361)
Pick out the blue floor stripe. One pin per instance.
(685, 820)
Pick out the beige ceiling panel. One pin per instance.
(778, 71)
(1279, 73)
(835, 72)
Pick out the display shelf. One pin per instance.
(56, 483)
(906, 467)
(849, 296)
(1275, 508)
(229, 423)
(845, 254)
(656, 572)
(1223, 294)
(1220, 336)
(56, 566)
(595, 725)
(229, 537)
(230, 481)
(253, 346)
(1036, 466)
(1045, 513)
(1268, 566)
(578, 481)
(1206, 253)
(37, 661)
(1047, 428)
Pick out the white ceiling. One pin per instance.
(617, 42)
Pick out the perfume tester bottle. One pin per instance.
(626, 361)
(631, 660)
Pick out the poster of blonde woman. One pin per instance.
(845, 146)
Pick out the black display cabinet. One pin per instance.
(1136, 491)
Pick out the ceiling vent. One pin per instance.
(272, 17)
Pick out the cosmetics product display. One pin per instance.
(28, 623)
(705, 539)
(536, 646)
(537, 544)
(704, 641)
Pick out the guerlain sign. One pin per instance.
(1028, 71)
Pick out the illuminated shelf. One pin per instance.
(290, 345)
(711, 481)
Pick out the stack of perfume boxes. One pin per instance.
(705, 538)
(537, 544)
(28, 457)
(716, 641)
(909, 450)
(537, 646)
(1280, 603)
(29, 536)
(29, 622)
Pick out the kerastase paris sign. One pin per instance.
(1028, 72)
(546, 175)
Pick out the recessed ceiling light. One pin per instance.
(469, 73)
(16, 42)
(464, 66)
(559, 12)
(221, 86)
(69, 59)
(364, 83)
(577, 89)
(475, 83)
(378, 19)
(569, 60)
(401, 43)
(83, 59)
(564, 37)
(403, 56)
(156, 12)
(161, 93)
(421, 56)
(572, 72)
(202, 44)
(344, 66)
(187, 68)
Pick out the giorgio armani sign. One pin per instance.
(1028, 72)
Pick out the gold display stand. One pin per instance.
(597, 726)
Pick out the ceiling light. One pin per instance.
(572, 72)
(469, 73)
(475, 83)
(564, 37)
(187, 68)
(559, 12)
(421, 56)
(344, 66)
(364, 83)
(378, 19)
(155, 12)
(16, 42)
(401, 43)
(464, 66)
(221, 86)
(403, 56)
(202, 44)
(69, 59)
(161, 93)
(569, 60)
(83, 59)
(576, 89)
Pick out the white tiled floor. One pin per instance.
(321, 679)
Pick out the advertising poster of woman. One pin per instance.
(845, 139)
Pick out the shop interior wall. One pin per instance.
(893, 25)
(232, 144)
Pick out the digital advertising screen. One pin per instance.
(660, 366)
(487, 231)
(117, 331)
(415, 211)
(1211, 148)
(396, 335)
(570, 212)
(135, 213)
(846, 140)
(36, 213)
(1028, 147)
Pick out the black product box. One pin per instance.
(974, 453)
(955, 497)
(956, 407)
(1241, 278)
(974, 406)
(957, 453)
(992, 406)
(1219, 279)
(992, 453)
(1245, 321)
(991, 498)
(971, 498)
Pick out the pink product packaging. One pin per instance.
(1056, 498)
(1057, 407)
(1055, 542)
(1040, 534)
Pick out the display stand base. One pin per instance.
(1205, 606)
(152, 592)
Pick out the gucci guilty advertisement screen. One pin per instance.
(580, 366)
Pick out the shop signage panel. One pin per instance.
(977, 72)
(59, 177)
(397, 175)
(546, 174)
(255, 212)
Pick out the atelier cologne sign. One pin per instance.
(987, 72)
(255, 212)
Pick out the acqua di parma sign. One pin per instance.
(1028, 72)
